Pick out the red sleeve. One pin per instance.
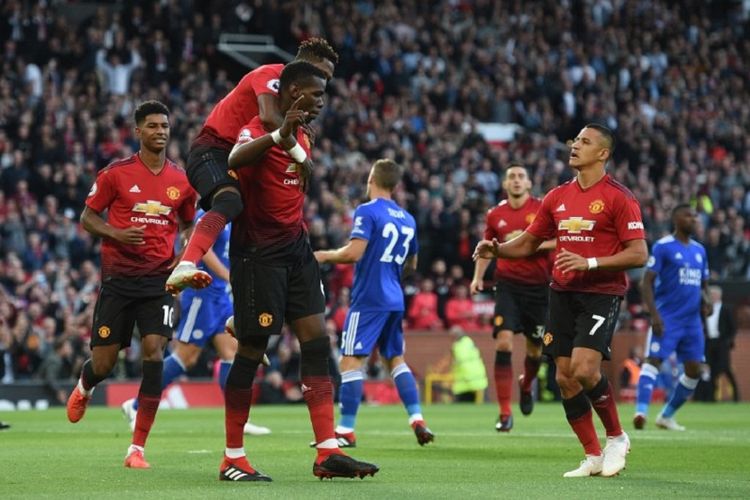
(250, 132)
(265, 80)
(628, 221)
(489, 226)
(187, 209)
(103, 191)
(543, 226)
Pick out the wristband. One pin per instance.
(276, 136)
(298, 153)
(593, 263)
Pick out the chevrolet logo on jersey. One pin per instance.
(152, 207)
(575, 225)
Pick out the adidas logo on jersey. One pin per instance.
(135, 189)
(502, 223)
(561, 208)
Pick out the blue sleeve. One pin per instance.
(363, 225)
(655, 261)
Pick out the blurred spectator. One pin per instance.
(469, 373)
(422, 313)
(338, 313)
(631, 369)
(669, 77)
(57, 369)
(720, 333)
(459, 310)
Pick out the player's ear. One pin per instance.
(295, 91)
(604, 153)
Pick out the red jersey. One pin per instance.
(593, 222)
(273, 202)
(135, 196)
(239, 107)
(505, 223)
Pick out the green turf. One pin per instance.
(44, 456)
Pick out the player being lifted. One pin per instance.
(599, 231)
(275, 277)
(255, 95)
(674, 289)
(383, 244)
(521, 293)
(204, 315)
(148, 199)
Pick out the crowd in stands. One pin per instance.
(413, 82)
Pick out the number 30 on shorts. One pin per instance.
(168, 319)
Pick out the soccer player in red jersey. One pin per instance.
(599, 230)
(255, 95)
(521, 293)
(275, 277)
(148, 199)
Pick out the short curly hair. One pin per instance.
(314, 49)
(149, 108)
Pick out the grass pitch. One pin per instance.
(43, 455)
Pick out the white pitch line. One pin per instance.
(665, 436)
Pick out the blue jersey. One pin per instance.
(391, 235)
(680, 271)
(221, 249)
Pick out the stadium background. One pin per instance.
(451, 89)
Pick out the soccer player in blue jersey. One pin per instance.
(204, 315)
(674, 289)
(383, 245)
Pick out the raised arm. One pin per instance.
(521, 246)
(248, 153)
(101, 60)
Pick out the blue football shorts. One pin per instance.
(685, 339)
(363, 330)
(202, 316)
